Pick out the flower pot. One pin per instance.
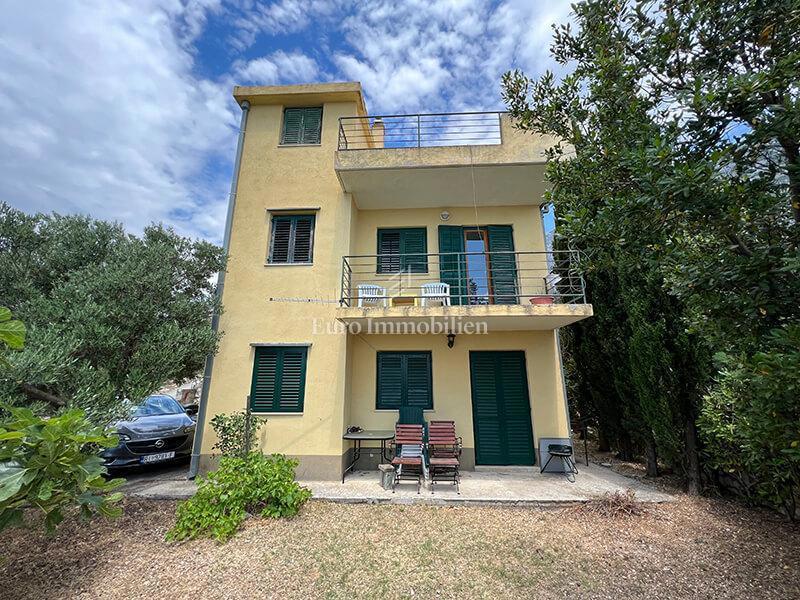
(542, 300)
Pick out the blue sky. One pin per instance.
(122, 110)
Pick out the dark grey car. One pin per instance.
(159, 430)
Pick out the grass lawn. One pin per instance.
(688, 549)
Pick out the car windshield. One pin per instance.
(157, 405)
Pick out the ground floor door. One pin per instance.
(501, 410)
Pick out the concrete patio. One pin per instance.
(496, 485)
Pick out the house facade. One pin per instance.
(378, 262)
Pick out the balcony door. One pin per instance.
(478, 267)
(479, 264)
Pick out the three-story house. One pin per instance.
(378, 262)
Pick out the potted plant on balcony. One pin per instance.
(542, 299)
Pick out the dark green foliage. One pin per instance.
(110, 316)
(253, 484)
(751, 421)
(678, 175)
(237, 433)
(52, 464)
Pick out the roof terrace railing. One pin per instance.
(420, 131)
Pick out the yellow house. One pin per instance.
(378, 262)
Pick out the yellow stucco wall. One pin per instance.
(340, 381)
(451, 379)
(274, 177)
(526, 222)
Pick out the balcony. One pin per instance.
(444, 159)
(506, 291)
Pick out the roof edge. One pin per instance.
(342, 91)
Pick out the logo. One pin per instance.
(159, 444)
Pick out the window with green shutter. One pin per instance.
(404, 379)
(291, 239)
(403, 250)
(279, 379)
(302, 126)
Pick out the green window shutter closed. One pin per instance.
(501, 409)
(452, 267)
(404, 379)
(279, 375)
(292, 239)
(503, 267)
(312, 126)
(388, 250)
(390, 380)
(302, 126)
(403, 250)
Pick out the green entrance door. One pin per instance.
(501, 410)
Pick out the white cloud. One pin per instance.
(102, 111)
(444, 56)
(279, 67)
(100, 114)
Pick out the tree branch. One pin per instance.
(35, 393)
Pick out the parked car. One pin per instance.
(158, 430)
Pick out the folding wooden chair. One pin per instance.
(444, 450)
(408, 454)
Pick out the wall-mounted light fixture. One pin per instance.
(445, 215)
(451, 339)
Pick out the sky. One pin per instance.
(122, 110)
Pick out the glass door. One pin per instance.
(479, 280)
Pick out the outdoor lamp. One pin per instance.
(451, 339)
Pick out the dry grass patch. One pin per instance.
(688, 549)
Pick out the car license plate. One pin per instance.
(151, 458)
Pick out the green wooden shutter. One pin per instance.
(453, 268)
(404, 379)
(265, 378)
(303, 238)
(292, 380)
(292, 126)
(418, 380)
(503, 267)
(312, 126)
(413, 250)
(395, 246)
(390, 380)
(292, 239)
(513, 388)
(389, 250)
(489, 448)
(302, 126)
(280, 240)
(501, 410)
(279, 375)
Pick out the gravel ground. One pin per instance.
(692, 548)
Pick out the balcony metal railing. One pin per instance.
(473, 278)
(419, 131)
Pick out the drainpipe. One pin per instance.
(226, 242)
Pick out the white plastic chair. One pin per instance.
(435, 291)
(371, 294)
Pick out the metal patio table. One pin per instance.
(357, 437)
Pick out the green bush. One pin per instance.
(51, 464)
(254, 484)
(236, 432)
(750, 422)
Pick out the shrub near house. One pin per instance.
(246, 482)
